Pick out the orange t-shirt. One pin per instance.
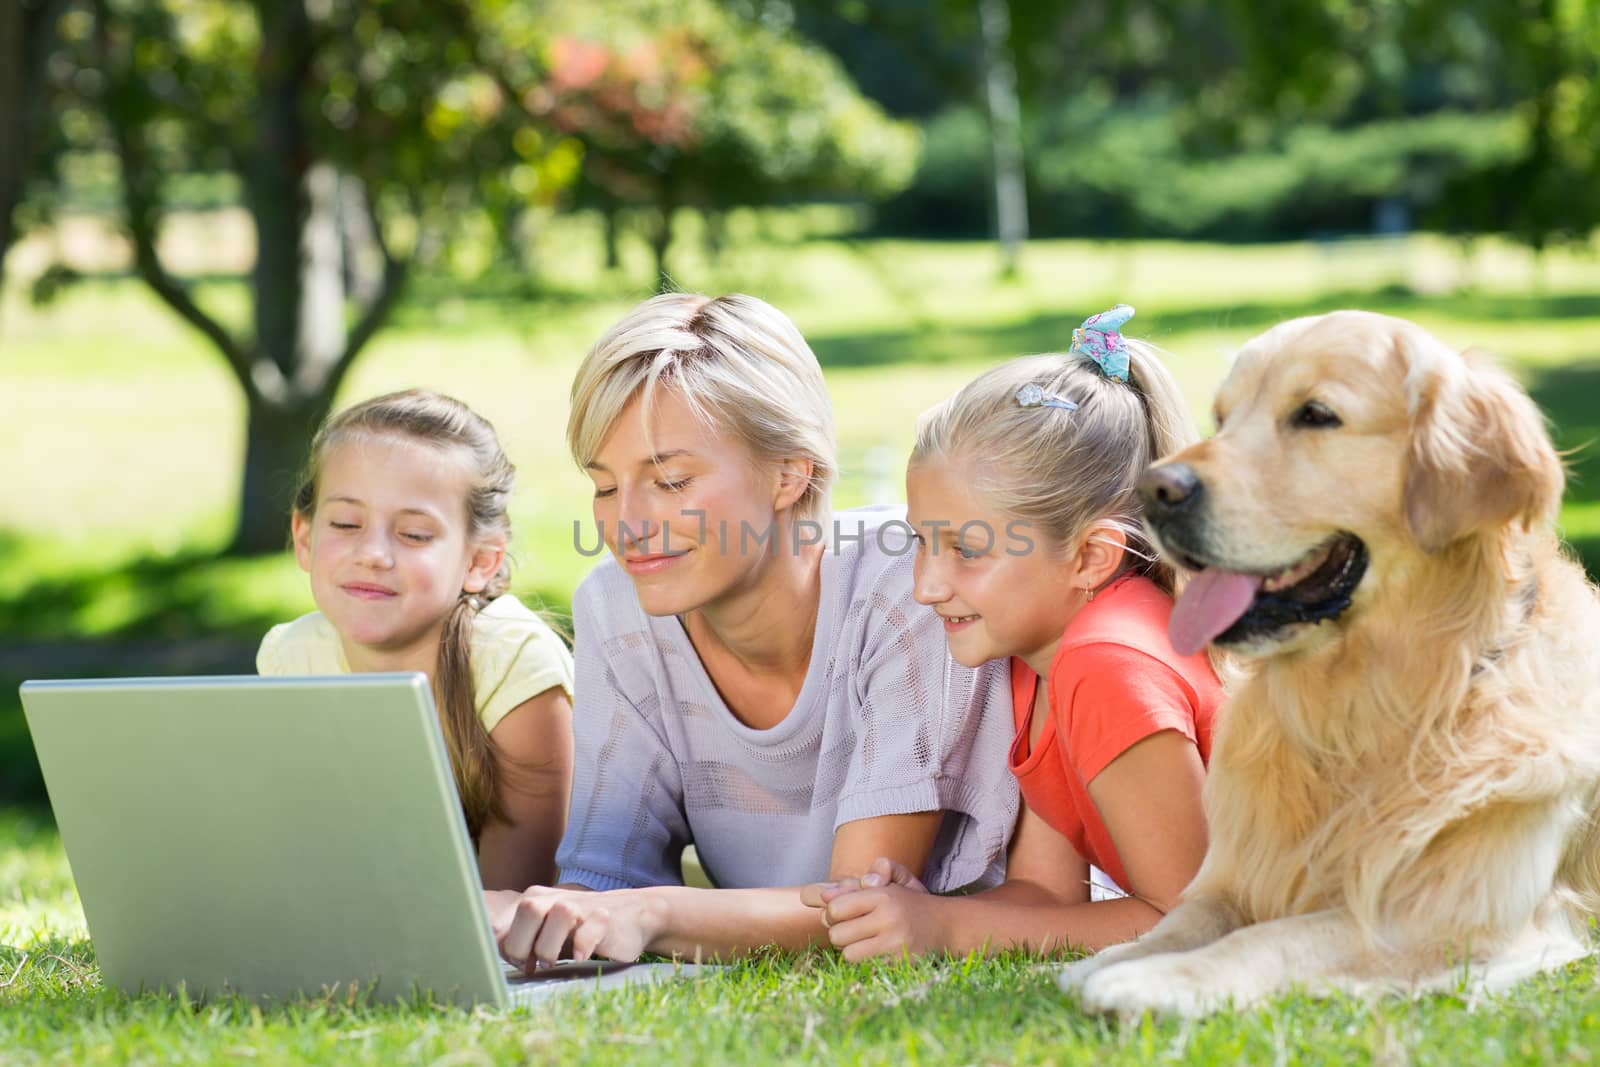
(1115, 680)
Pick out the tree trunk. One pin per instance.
(284, 413)
(716, 234)
(1005, 133)
(297, 282)
(612, 214)
(320, 337)
(301, 349)
(361, 278)
(277, 437)
(13, 146)
(661, 242)
(274, 180)
(27, 36)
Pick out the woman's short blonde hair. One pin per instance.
(740, 365)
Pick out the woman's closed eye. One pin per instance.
(416, 537)
(665, 485)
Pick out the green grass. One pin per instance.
(811, 1008)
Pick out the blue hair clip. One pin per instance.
(1100, 338)
(1034, 396)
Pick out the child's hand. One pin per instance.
(891, 920)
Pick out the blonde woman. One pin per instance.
(754, 675)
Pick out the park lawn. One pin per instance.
(811, 1008)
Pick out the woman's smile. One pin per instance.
(654, 563)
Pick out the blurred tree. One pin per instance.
(920, 55)
(1223, 118)
(396, 112)
(1005, 132)
(691, 104)
(27, 40)
(914, 57)
(1538, 58)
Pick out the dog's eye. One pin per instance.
(1315, 415)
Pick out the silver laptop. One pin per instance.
(275, 838)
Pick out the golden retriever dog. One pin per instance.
(1404, 786)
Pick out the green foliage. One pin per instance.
(1096, 168)
(404, 96)
(358, 134)
(1489, 104)
(1538, 60)
(951, 193)
(690, 103)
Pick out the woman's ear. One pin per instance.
(300, 534)
(485, 564)
(1099, 556)
(794, 478)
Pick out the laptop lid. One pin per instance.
(266, 836)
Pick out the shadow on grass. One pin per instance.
(166, 615)
(168, 624)
(1570, 396)
(928, 342)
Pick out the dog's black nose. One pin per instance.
(1167, 488)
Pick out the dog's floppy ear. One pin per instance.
(1480, 456)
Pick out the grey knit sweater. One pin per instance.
(886, 723)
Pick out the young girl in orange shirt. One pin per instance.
(1021, 492)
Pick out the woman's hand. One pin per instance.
(540, 926)
(881, 872)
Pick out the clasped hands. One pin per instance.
(886, 911)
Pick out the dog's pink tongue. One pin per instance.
(1211, 602)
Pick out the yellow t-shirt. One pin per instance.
(515, 655)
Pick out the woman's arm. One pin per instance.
(534, 743)
(1150, 800)
(727, 922)
(693, 923)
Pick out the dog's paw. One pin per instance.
(1074, 974)
(1165, 985)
